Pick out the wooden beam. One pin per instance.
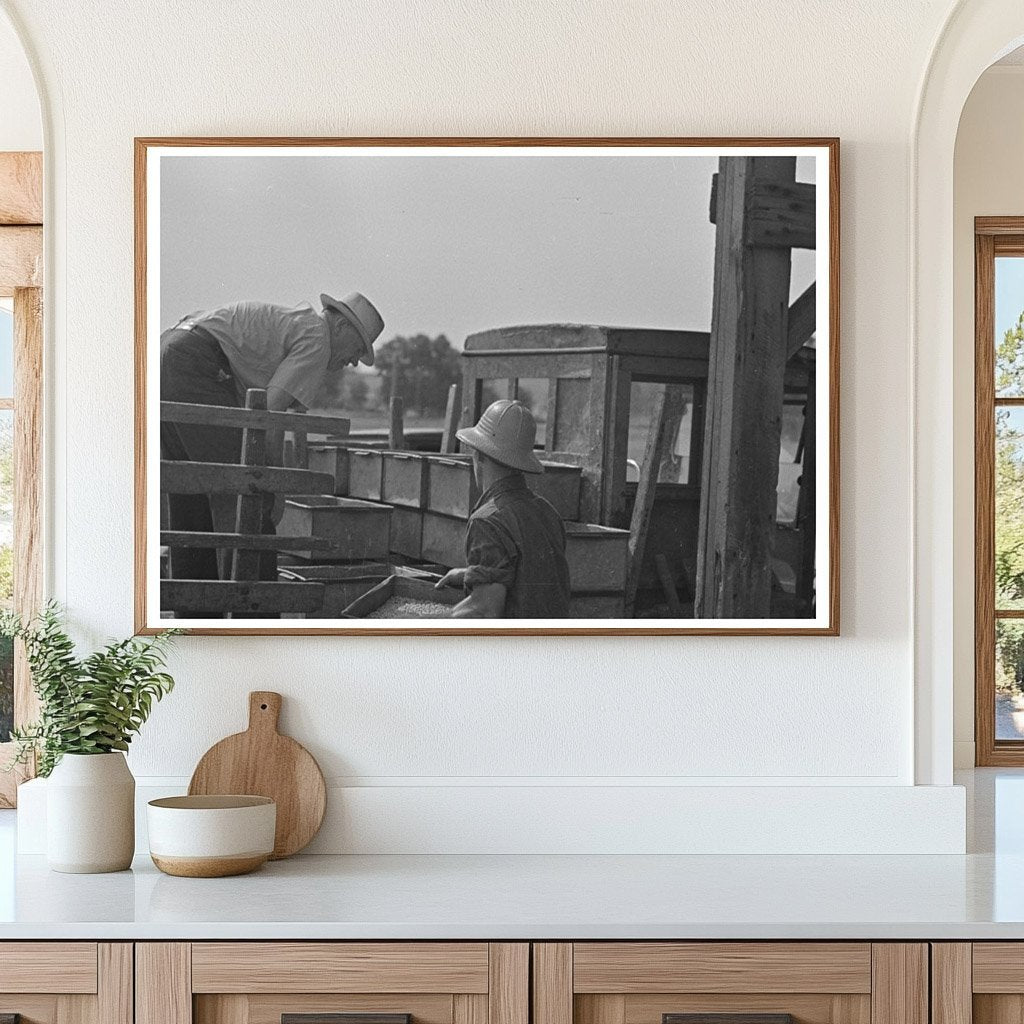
(247, 541)
(743, 419)
(245, 564)
(231, 416)
(21, 188)
(781, 215)
(452, 413)
(21, 259)
(657, 433)
(802, 321)
(396, 431)
(218, 478)
(241, 596)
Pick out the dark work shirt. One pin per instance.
(516, 538)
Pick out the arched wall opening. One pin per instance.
(976, 35)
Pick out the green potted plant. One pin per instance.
(90, 708)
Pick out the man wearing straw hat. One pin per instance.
(214, 357)
(515, 541)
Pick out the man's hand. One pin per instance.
(455, 578)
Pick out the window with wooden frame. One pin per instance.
(21, 364)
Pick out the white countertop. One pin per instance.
(980, 895)
(496, 897)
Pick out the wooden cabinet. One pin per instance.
(66, 982)
(309, 982)
(980, 982)
(752, 982)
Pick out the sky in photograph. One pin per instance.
(448, 244)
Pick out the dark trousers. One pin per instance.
(193, 368)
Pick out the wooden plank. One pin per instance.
(340, 967)
(252, 508)
(28, 483)
(508, 992)
(163, 983)
(668, 585)
(115, 983)
(984, 504)
(552, 983)
(781, 214)
(807, 503)
(803, 320)
(452, 414)
(657, 437)
(396, 429)
(66, 967)
(241, 596)
(745, 393)
(218, 478)
(232, 416)
(21, 188)
(899, 989)
(21, 259)
(628, 967)
(468, 1009)
(249, 541)
(951, 1001)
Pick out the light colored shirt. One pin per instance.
(271, 346)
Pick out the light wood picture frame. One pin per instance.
(696, 471)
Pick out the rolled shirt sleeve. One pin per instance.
(491, 556)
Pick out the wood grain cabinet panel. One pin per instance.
(258, 982)
(66, 982)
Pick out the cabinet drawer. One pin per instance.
(66, 982)
(730, 983)
(332, 983)
(65, 967)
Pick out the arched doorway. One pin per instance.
(976, 34)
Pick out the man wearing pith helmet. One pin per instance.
(213, 357)
(515, 541)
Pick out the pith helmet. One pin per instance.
(506, 432)
(362, 315)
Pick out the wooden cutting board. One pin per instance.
(262, 762)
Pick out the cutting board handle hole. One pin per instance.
(263, 707)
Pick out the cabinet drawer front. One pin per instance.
(637, 967)
(339, 967)
(998, 967)
(269, 1009)
(60, 967)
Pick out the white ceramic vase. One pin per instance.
(90, 814)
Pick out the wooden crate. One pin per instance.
(444, 540)
(407, 531)
(333, 460)
(342, 584)
(365, 473)
(361, 528)
(451, 489)
(404, 479)
(559, 484)
(402, 586)
(598, 557)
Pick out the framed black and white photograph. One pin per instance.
(487, 385)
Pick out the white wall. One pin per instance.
(450, 713)
(987, 181)
(21, 127)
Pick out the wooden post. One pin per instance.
(301, 454)
(748, 351)
(452, 413)
(657, 433)
(251, 507)
(806, 507)
(396, 433)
